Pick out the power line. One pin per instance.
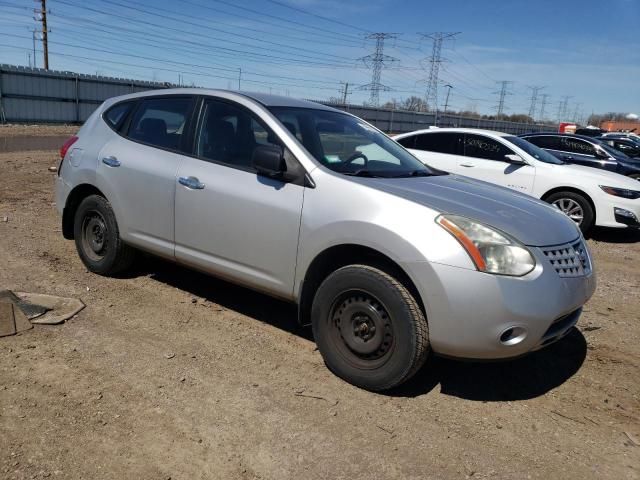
(563, 106)
(306, 12)
(534, 99)
(543, 105)
(376, 61)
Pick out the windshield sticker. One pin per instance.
(332, 159)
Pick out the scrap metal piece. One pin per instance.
(59, 308)
(30, 310)
(12, 320)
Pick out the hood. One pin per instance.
(601, 177)
(525, 218)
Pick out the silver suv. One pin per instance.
(387, 259)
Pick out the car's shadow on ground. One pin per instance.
(615, 235)
(527, 377)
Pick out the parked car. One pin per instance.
(589, 196)
(629, 146)
(633, 135)
(586, 151)
(379, 251)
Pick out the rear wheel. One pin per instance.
(576, 207)
(368, 327)
(97, 238)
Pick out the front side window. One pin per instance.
(441, 142)
(348, 145)
(160, 122)
(229, 134)
(487, 148)
(533, 150)
(549, 142)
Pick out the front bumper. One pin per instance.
(610, 216)
(477, 315)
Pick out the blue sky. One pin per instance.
(588, 50)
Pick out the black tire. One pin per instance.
(98, 239)
(377, 358)
(588, 215)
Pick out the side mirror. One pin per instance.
(269, 161)
(514, 159)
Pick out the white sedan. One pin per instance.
(588, 195)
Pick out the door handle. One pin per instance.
(191, 182)
(111, 161)
(468, 165)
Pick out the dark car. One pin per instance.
(587, 151)
(628, 146)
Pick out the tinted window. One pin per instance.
(229, 134)
(574, 145)
(117, 113)
(533, 150)
(444, 142)
(408, 142)
(478, 146)
(547, 141)
(160, 122)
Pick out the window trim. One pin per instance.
(124, 129)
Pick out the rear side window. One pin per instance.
(487, 148)
(445, 142)
(160, 122)
(547, 141)
(116, 114)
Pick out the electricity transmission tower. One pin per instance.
(543, 105)
(534, 100)
(431, 94)
(563, 107)
(502, 94)
(375, 62)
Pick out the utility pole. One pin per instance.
(33, 37)
(375, 62)
(431, 94)
(239, 77)
(446, 102)
(41, 16)
(563, 106)
(344, 92)
(534, 100)
(502, 93)
(543, 105)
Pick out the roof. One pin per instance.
(557, 134)
(479, 131)
(264, 99)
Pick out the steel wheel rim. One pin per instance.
(94, 235)
(361, 329)
(571, 209)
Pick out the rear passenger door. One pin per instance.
(230, 220)
(579, 152)
(442, 150)
(137, 170)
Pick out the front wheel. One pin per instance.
(97, 238)
(368, 327)
(576, 207)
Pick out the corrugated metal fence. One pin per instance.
(31, 95)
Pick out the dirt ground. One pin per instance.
(172, 374)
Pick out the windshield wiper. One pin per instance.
(363, 172)
(416, 173)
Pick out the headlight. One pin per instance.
(491, 250)
(621, 192)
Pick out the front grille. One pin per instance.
(569, 260)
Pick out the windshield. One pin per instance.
(348, 145)
(533, 150)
